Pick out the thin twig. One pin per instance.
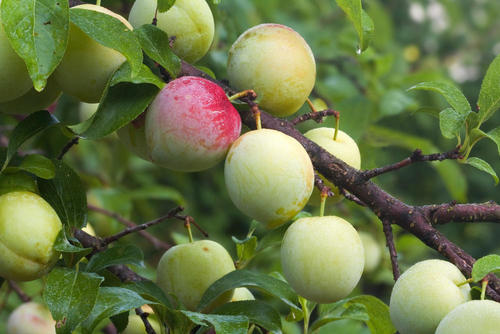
(17, 289)
(67, 147)
(157, 243)
(316, 116)
(416, 156)
(351, 197)
(190, 220)
(171, 214)
(320, 184)
(392, 248)
(144, 317)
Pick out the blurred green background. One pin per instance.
(414, 41)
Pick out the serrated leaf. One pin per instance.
(360, 19)
(26, 129)
(450, 92)
(70, 296)
(38, 32)
(495, 136)
(111, 301)
(483, 166)
(164, 5)
(485, 265)
(128, 254)
(38, 165)
(223, 324)
(246, 278)
(489, 95)
(451, 122)
(155, 43)
(111, 32)
(66, 194)
(256, 311)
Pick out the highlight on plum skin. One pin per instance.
(190, 125)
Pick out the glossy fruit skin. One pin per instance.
(373, 253)
(190, 125)
(133, 136)
(322, 258)
(187, 270)
(343, 147)
(269, 176)
(424, 294)
(31, 318)
(87, 65)
(14, 78)
(475, 316)
(276, 62)
(190, 21)
(28, 230)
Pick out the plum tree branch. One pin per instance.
(471, 212)
(20, 293)
(392, 248)
(316, 116)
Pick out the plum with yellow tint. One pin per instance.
(276, 62)
(269, 176)
(28, 230)
(190, 125)
(475, 316)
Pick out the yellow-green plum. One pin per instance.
(268, 176)
(343, 148)
(241, 294)
(136, 325)
(87, 65)
(32, 100)
(31, 318)
(190, 125)
(28, 230)
(187, 270)
(14, 78)
(373, 253)
(133, 136)
(322, 258)
(190, 21)
(475, 316)
(276, 62)
(424, 294)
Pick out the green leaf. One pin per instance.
(246, 278)
(484, 266)
(18, 181)
(145, 76)
(223, 324)
(110, 32)
(164, 5)
(245, 249)
(150, 291)
(66, 194)
(489, 95)
(394, 102)
(70, 296)
(72, 253)
(495, 136)
(111, 301)
(26, 129)
(128, 254)
(256, 311)
(38, 165)
(38, 32)
(483, 166)
(450, 92)
(361, 21)
(451, 122)
(155, 43)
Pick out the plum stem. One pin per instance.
(311, 105)
(98, 2)
(245, 93)
(470, 280)
(337, 122)
(324, 196)
(484, 284)
(187, 225)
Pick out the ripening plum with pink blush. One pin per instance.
(190, 125)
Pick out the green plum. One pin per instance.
(269, 176)
(28, 229)
(31, 318)
(475, 316)
(276, 62)
(373, 253)
(424, 294)
(185, 271)
(322, 258)
(32, 100)
(190, 21)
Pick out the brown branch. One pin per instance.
(320, 184)
(67, 147)
(416, 156)
(20, 293)
(171, 214)
(316, 116)
(351, 197)
(190, 220)
(144, 317)
(157, 243)
(473, 212)
(392, 248)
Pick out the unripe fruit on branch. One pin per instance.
(190, 21)
(87, 65)
(475, 316)
(31, 318)
(190, 125)
(424, 294)
(343, 148)
(276, 62)
(322, 258)
(269, 176)
(187, 270)
(373, 253)
(28, 230)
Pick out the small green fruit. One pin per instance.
(185, 271)
(32, 100)
(373, 253)
(475, 316)
(31, 318)
(322, 258)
